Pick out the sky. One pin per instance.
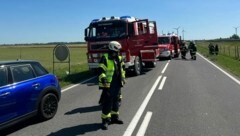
(42, 21)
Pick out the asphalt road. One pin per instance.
(177, 98)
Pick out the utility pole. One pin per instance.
(236, 29)
(177, 29)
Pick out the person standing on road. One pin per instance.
(111, 79)
(183, 50)
(193, 50)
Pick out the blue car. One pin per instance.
(26, 90)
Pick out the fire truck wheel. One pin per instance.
(137, 66)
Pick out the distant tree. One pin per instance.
(234, 36)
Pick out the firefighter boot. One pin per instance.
(116, 120)
(105, 123)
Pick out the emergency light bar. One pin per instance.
(95, 20)
(113, 17)
(128, 18)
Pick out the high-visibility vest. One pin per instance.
(108, 71)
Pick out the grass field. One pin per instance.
(44, 54)
(226, 58)
(79, 68)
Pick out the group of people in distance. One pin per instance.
(191, 47)
(213, 49)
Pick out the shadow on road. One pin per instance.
(84, 110)
(20, 125)
(77, 130)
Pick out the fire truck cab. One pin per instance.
(138, 38)
(168, 46)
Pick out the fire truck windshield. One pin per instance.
(107, 30)
(163, 40)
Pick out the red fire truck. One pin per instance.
(138, 38)
(169, 46)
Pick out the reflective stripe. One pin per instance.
(107, 85)
(114, 113)
(101, 76)
(103, 66)
(120, 96)
(109, 71)
(103, 116)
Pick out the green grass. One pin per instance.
(44, 54)
(228, 62)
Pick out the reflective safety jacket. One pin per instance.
(107, 70)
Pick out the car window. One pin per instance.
(22, 72)
(39, 70)
(3, 76)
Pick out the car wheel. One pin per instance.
(48, 106)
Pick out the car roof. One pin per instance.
(9, 62)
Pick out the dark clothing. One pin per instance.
(216, 49)
(110, 96)
(193, 50)
(111, 100)
(192, 47)
(211, 49)
(184, 51)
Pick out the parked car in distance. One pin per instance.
(26, 90)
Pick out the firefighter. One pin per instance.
(211, 49)
(193, 49)
(111, 79)
(184, 50)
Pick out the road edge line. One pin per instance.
(226, 73)
(72, 86)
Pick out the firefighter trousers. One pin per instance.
(110, 105)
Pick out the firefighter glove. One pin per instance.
(104, 81)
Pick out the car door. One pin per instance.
(26, 88)
(7, 97)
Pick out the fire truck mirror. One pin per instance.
(86, 32)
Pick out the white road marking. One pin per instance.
(66, 89)
(139, 113)
(164, 69)
(162, 83)
(230, 76)
(143, 128)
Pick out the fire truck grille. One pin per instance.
(99, 46)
